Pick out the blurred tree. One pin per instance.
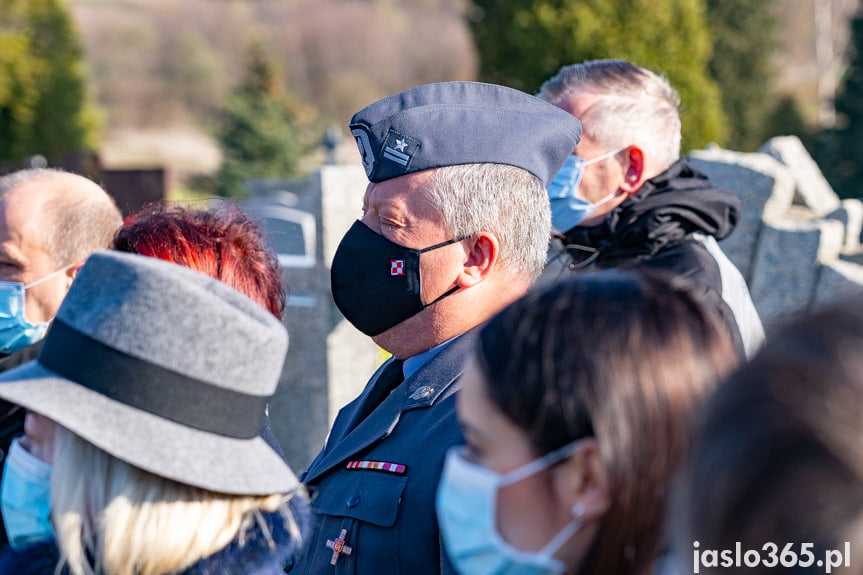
(43, 98)
(523, 42)
(160, 64)
(744, 33)
(259, 130)
(786, 119)
(191, 70)
(839, 151)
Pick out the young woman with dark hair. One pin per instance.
(775, 483)
(576, 409)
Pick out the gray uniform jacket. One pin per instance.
(386, 518)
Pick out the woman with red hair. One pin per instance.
(223, 244)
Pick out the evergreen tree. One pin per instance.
(43, 100)
(259, 132)
(840, 151)
(523, 42)
(786, 118)
(744, 34)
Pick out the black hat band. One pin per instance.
(149, 387)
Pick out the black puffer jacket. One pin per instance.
(661, 228)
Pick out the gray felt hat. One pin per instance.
(453, 123)
(164, 368)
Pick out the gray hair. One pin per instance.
(15, 179)
(507, 201)
(81, 220)
(636, 106)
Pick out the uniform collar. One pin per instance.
(437, 378)
(412, 364)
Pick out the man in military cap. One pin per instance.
(455, 226)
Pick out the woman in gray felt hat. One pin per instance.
(222, 243)
(157, 377)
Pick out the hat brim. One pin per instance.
(149, 442)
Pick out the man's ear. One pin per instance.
(71, 273)
(481, 253)
(634, 174)
(581, 480)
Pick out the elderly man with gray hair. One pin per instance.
(626, 199)
(454, 226)
(50, 221)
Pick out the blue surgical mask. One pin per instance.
(466, 503)
(568, 208)
(16, 331)
(25, 497)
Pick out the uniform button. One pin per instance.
(354, 500)
(423, 392)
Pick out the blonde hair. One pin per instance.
(111, 518)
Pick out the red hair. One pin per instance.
(223, 244)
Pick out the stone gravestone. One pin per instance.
(797, 244)
(765, 187)
(850, 214)
(134, 189)
(841, 278)
(811, 188)
(328, 361)
(788, 262)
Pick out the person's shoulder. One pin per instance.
(688, 259)
(37, 559)
(265, 548)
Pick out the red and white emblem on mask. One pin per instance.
(397, 267)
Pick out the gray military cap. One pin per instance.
(453, 123)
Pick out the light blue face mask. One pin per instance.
(466, 503)
(568, 209)
(25, 497)
(16, 331)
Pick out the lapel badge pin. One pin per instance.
(423, 392)
(338, 546)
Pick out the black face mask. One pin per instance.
(376, 283)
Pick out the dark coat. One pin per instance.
(661, 228)
(11, 415)
(389, 518)
(253, 557)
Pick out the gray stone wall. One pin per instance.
(797, 244)
(328, 361)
